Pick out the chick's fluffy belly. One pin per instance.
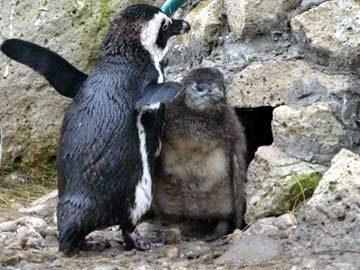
(199, 180)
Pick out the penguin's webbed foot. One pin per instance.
(138, 243)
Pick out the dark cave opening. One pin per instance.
(257, 124)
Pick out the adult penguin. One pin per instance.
(112, 129)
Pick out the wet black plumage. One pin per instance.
(99, 160)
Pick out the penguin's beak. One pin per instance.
(179, 27)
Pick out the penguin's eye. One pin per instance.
(166, 23)
(165, 26)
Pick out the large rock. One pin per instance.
(44, 206)
(342, 92)
(269, 84)
(295, 83)
(307, 4)
(250, 17)
(30, 111)
(282, 227)
(311, 133)
(205, 21)
(331, 218)
(251, 250)
(265, 83)
(331, 31)
(277, 183)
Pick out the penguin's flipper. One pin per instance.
(64, 77)
(159, 93)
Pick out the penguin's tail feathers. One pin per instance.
(75, 220)
(64, 77)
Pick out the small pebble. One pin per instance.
(172, 252)
(235, 236)
(172, 237)
(35, 222)
(8, 226)
(106, 267)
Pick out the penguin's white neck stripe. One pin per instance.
(161, 75)
(148, 39)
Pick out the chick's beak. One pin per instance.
(217, 95)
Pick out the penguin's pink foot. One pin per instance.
(140, 244)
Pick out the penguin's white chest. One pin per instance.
(143, 195)
(143, 191)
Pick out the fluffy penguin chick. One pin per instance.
(202, 169)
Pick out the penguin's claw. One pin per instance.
(140, 244)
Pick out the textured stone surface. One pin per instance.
(342, 92)
(268, 83)
(311, 133)
(44, 206)
(282, 227)
(251, 250)
(205, 21)
(30, 111)
(331, 29)
(295, 83)
(330, 219)
(277, 183)
(307, 4)
(251, 17)
(8, 226)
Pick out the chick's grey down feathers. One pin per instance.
(202, 172)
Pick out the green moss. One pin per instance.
(303, 186)
(105, 14)
(200, 7)
(203, 4)
(92, 25)
(332, 186)
(219, 9)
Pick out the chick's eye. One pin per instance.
(200, 89)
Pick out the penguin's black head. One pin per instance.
(204, 89)
(145, 26)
